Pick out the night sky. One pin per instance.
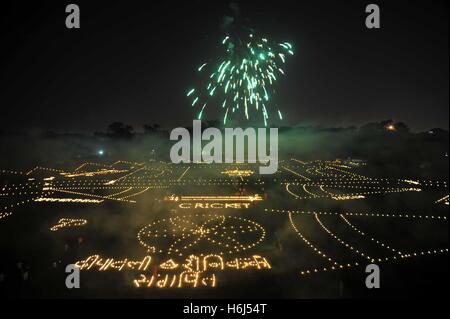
(132, 61)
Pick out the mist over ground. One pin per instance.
(394, 152)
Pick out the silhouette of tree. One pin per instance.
(381, 127)
(149, 129)
(120, 130)
(401, 127)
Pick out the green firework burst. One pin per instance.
(242, 80)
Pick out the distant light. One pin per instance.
(391, 127)
(100, 152)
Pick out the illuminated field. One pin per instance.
(158, 227)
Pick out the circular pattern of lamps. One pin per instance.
(190, 233)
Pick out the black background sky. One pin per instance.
(132, 61)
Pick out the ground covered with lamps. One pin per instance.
(220, 230)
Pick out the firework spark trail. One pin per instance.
(243, 79)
